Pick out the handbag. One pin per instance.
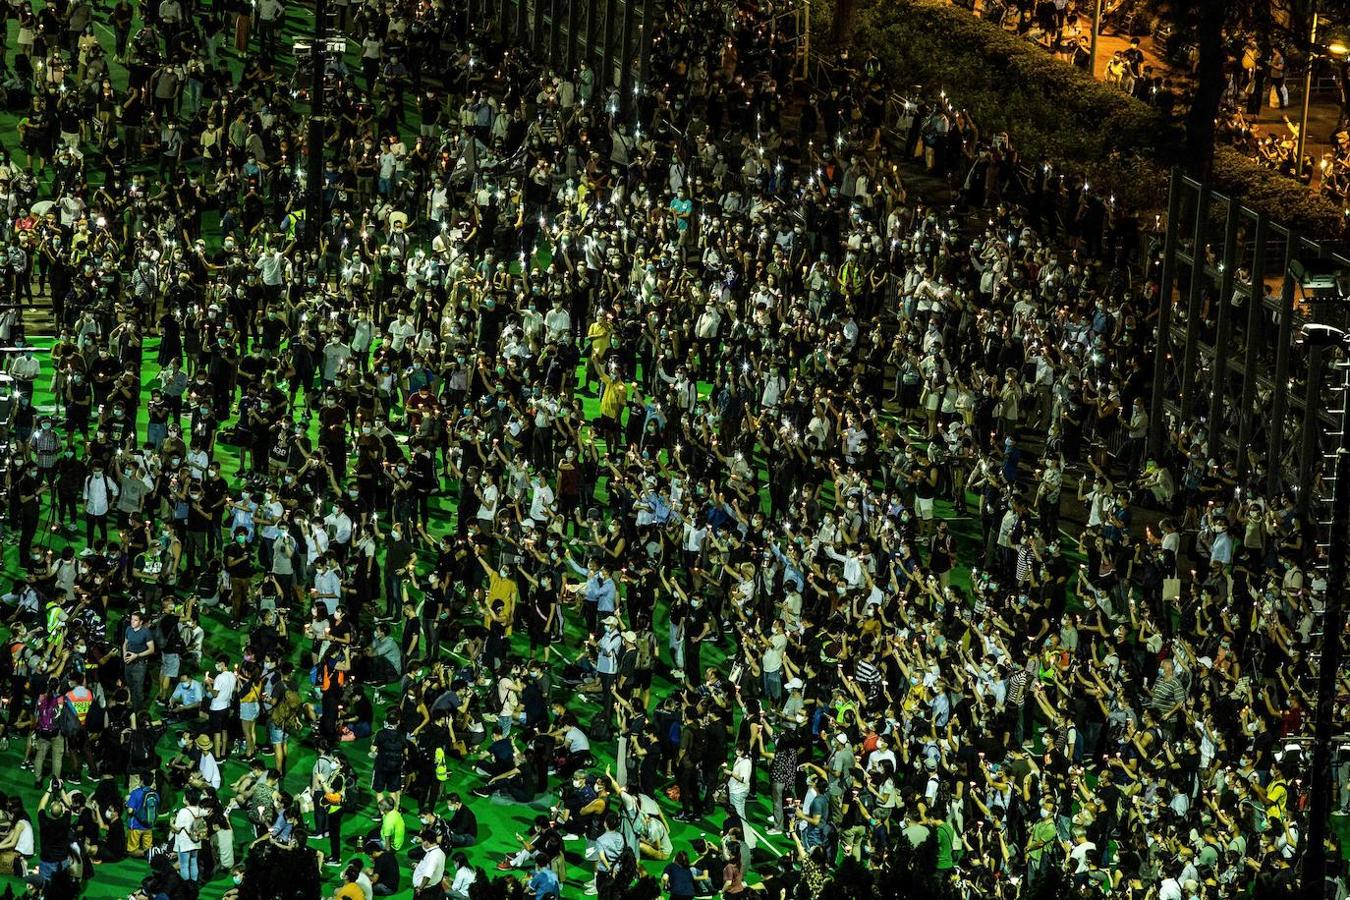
(721, 794)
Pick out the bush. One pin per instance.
(1055, 112)
(1285, 200)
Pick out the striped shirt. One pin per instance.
(1017, 687)
(1167, 693)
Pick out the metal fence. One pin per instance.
(613, 36)
(1235, 288)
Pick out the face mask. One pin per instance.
(241, 539)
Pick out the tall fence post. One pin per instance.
(1161, 351)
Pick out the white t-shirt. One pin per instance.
(738, 786)
(464, 879)
(430, 868)
(182, 829)
(223, 686)
(24, 846)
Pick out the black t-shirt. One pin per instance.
(54, 835)
(389, 744)
(385, 867)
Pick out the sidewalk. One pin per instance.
(1323, 111)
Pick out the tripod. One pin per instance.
(48, 525)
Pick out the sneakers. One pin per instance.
(333, 863)
(569, 836)
(774, 830)
(504, 866)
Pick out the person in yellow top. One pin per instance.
(502, 588)
(250, 705)
(601, 335)
(350, 890)
(612, 403)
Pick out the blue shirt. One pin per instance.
(681, 880)
(607, 652)
(791, 573)
(658, 511)
(543, 883)
(609, 847)
(135, 800)
(187, 694)
(598, 590)
(1221, 551)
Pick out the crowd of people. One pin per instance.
(657, 471)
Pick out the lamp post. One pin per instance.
(1333, 624)
(1096, 30)
(1307, 94)
(315, 139)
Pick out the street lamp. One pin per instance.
(1338, 548)
(1337, 48)
(1096, 30)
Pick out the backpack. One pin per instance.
(69, 720)
(48, 713)
(169, 640)
(352, 801)
(285, 715)
(147, 811)
(199, 830)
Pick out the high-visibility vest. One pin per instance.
(442, 770)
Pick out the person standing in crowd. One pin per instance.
(418, 484)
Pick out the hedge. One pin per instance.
(1055, 112)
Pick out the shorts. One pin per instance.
(219, 719)
(276, 734)
(139, 840)
(248, 712)
(924, 507)
(386, 780)
(168, 665)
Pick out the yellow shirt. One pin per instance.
(505, 590)
(614, 399)
(599, 335)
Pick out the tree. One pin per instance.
(1204, 21)
(1209, 23)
